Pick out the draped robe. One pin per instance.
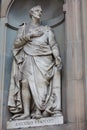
(35, 62)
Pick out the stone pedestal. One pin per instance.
(35, 123)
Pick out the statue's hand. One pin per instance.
(21, 41)
(58, 63)
(25, 38)
(36, 33)
(16, 43)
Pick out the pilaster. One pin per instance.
(2, 63)
(74, 63)
(84, 36)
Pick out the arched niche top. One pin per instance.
(19, 11)
(5, 5)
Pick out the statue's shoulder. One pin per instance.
(22, 24)
(47, 28)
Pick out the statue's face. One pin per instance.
(37, 12)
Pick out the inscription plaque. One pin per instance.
(35, 122)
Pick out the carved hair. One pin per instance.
(32, 9)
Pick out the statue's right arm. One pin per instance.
(21, 39)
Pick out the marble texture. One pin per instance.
(35, 123)
(35, 87)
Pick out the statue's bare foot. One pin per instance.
(15, 116)
(23, 116)
(37, 116)
(59, 113)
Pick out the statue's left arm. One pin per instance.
(54, 47)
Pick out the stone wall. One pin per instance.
(74, 92)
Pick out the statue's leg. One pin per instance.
(56, 92)
(54, 103)
(26, 97)
(15, 116)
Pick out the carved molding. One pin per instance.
(6, 4)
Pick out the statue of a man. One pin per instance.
(35, 79)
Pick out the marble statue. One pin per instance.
(35, 88)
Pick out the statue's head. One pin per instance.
(36, 12)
